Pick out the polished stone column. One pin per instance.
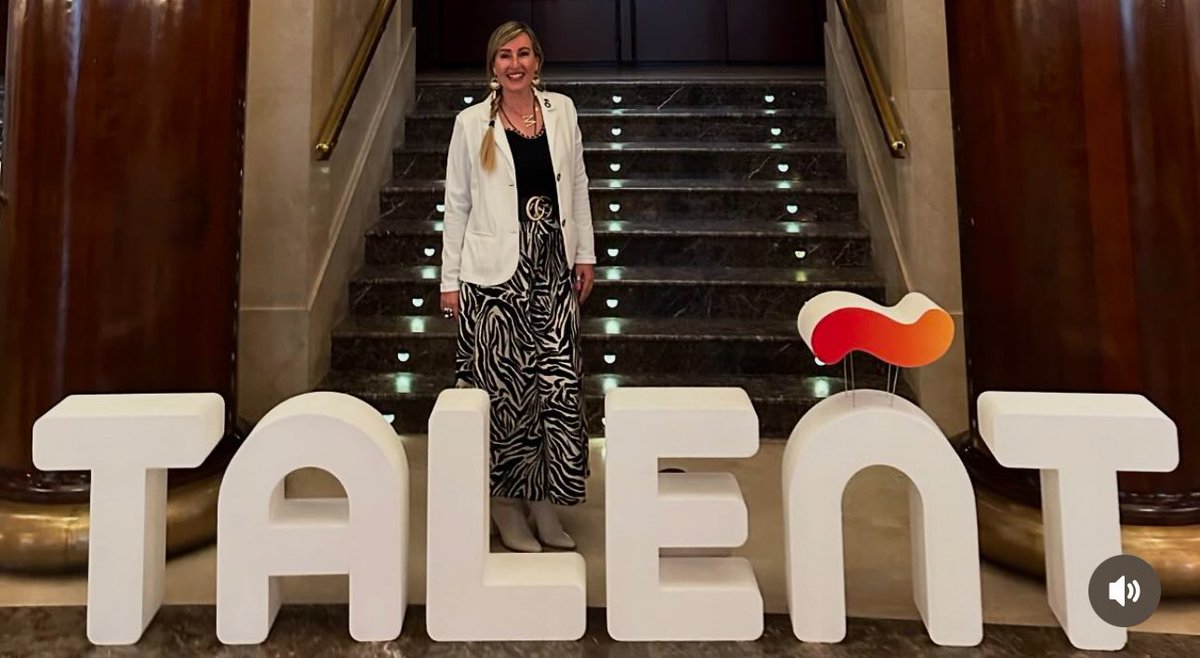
(119, 239)
(1078, 156)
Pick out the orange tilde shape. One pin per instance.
(905, 345)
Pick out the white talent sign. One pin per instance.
(1079, 441)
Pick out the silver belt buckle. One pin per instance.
(539, 208)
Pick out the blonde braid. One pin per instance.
(487, 150)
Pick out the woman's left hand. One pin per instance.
(585, 275)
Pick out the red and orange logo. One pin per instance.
(913, 333)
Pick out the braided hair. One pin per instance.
(487, 151)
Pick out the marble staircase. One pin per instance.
(719, 208)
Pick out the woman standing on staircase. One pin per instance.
(517, 224)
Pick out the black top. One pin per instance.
(535, 174)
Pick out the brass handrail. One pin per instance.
(885, 109)
(336, 120)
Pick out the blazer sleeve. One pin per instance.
(458, 205)
(585, 250)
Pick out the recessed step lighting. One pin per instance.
(617, 99)
(610, 358)
(613, 252)
(783, 167)
(615, 207)
(429, 251)
(441, 207)
(616, 132)
(403, 356)
(467, 100)
(770, 98)
(801, 254)
(792, 208)
(777, 131)
(417, 302)
(612, 303)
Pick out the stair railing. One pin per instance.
(883, 102)
(331, 130)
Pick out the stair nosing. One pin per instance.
(707, 111)
(698, 81)
(777, 330)
(838, 229)
(774, 382)
(838, 187)
(415, 273)
(716, 148)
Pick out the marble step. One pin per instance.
(779, 400)
(649, 160)
(680, 292)
(616, 199)
(682, 242)
(618, 94)
(609, 345)
(709, 125)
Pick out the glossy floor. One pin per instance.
(181, 632)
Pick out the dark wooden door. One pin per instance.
(578, 31)
(458, 30)
(776, 32)
(679, 30)
(454, 33)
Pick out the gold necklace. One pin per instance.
(530, 120)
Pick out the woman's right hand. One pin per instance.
(450, 306)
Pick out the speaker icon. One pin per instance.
(1120, 591)
(1130, 582)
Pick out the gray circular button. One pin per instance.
(1124, 590)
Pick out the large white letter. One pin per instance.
(262, 535)
(128, 442)
(1079, 441)
(677, 598)
(836, 439)
(471, 593)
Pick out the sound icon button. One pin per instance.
(1119, 590)
(1124, 590)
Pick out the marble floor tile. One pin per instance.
(186, 631)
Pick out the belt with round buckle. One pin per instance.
(539, 208)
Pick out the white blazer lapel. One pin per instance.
(550, 116)
(501, 140)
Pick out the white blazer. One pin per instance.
(481, 233)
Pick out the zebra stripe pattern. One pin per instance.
(519, 341)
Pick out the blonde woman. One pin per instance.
(517, 264)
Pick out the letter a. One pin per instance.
(262, 535)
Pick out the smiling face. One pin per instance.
(515, 64)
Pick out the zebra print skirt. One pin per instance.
(519, 341)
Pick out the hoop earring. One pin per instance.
(494, 84)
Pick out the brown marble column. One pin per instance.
(119, 240)
(1077, 128)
